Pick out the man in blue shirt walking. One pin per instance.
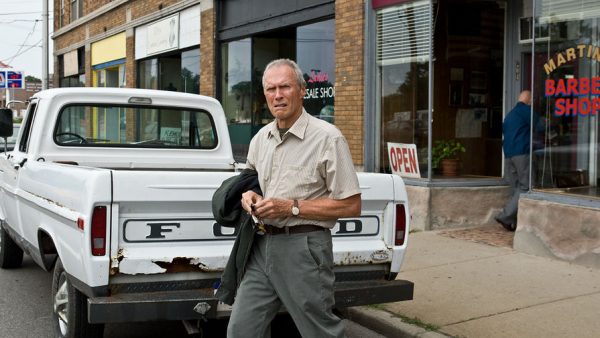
(516, 144)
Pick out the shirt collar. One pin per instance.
(298, 128)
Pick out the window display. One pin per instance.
(566, 86)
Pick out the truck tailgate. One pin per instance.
(163, 223)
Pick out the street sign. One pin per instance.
(2, 79)
(14, 79)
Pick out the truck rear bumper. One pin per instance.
(179, 305)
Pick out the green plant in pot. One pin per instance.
(444, 156)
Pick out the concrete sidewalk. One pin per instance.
(476, 290)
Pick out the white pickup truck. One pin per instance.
(111, 190)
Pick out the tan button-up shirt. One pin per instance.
(312, 161)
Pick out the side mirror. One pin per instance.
(6, 122)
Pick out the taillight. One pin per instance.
(99, 231)
(400, 225)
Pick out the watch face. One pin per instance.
(295, 211)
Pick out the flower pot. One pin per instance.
(449, 166)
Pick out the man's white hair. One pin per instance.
(289, 63)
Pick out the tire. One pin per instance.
(69, 315)
(11, 256)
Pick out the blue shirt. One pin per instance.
(516, 130)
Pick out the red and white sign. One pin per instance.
(403, 159)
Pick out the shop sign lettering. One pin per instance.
(404, 160)
(320, 77)
(319, 93)
(568, 89)
(573, 53)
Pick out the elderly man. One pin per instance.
(516, 144)
(308, 181)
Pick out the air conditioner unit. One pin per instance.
(525, 36)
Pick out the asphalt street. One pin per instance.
(26, 308)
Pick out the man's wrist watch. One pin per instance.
(295, 210)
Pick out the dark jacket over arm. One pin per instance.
(228, 211)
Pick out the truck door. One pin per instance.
(11, 167)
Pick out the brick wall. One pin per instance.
(55, 79)
(89, 74)
(207, 53)
(142, 8)
(349, 74)
(130, 64)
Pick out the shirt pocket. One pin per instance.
(295, 181)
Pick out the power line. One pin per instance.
(36, 45)
(20, 13)
(20, 21)
(25, 41)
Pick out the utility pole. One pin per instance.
(45, 74)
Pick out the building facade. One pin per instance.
(399, 78)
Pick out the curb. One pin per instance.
(387, 325)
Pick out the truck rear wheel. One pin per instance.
(11, 256)
(69, 316)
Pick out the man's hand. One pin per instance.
(248, 198)
(274, 208)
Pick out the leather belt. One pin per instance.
(298, 229)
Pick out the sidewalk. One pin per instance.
(470, 289)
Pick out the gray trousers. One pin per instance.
(294, 270)
(517, 173)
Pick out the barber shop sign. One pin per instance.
(575, 96)
(403, 159)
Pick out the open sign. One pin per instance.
(403, 159)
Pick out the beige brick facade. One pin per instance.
(349, 70)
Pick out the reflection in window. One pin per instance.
(236, 93)
(178, 72)
(402, 87)
(190, 71)
(316, 57)
(157, 128)
(148, 78)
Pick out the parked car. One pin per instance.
(11, 140)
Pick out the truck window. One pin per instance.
(130, 126)
(24, 144)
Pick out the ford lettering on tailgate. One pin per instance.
(205, 229)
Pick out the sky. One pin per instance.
(19, 31)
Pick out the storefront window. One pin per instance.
(243, 63)
(468, 97)
(402, 86)
(467, 88)
(148, 71)
(73, 81)
(315, 48)
(190, 71)
(178, 72)
(236, 93)
(566, 95)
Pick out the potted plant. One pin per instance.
(444, 156)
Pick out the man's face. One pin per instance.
(284, 96)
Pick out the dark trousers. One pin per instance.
(294, 270)
(516, 170)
